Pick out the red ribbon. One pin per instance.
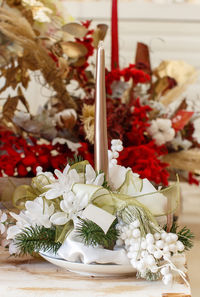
(114, 37)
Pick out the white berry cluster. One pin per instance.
(113, 154)
(152, 253)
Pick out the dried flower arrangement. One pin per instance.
(142, 106)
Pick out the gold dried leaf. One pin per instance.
(10, 107)
(75, 29)
(23, 99)
(99, 34)
(80, 62)
(74, 50)
(87, 118)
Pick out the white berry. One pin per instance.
(136, 233)
(180, 246)
(160, 244)
(157, 236)
(149, 238)
(157, 254)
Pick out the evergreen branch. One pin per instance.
(105, 182)
(149, 276)
(185, 235)
(75, 160)
(34, 239)
(92, 234)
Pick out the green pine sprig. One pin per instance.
(34, 239)
(149, 276)
(93, 235)
(75, 159)
(185, 235)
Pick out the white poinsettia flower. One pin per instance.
(13, 249)
(91, 178)
(48, 174)
(22, 221)
(64, 183)
(117, 175)
(161, 130)
(196, 133)
(71, 206)
(39, 212)
(3, 218)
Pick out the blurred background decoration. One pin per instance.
(47, 85)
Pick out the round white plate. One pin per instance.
(89, 269)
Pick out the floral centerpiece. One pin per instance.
(105, 216)
(79, 216)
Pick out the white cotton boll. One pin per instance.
(159, 138)
(180, 246)
(169, 134)
(167, 279)
(153, 128)
(164, 270)
(157, 236)
(149, 238)
(119, 242)
(164, 124)
(151, 248)
(150, 260)
(160, 244)
(136, 233)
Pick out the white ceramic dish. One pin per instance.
(89, 269)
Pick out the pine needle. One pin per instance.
(75, 160)
(93, 235)
(35, 239)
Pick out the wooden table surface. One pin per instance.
(32, 277)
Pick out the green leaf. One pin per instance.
(93, 235)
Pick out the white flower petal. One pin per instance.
(52, 194)
(90, 174)
(2, 228)
(3, 217)
(12, 232)
(59, 218)
(99, 180)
